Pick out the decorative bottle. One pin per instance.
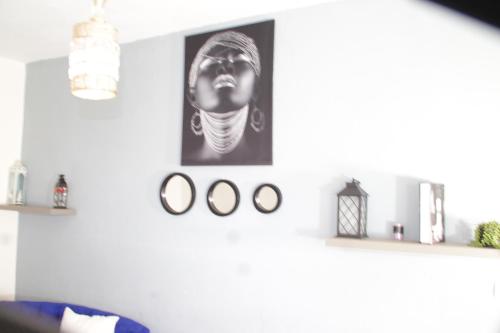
(17, 179)
(61, 193)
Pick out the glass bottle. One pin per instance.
(61, 193)
(16, 194)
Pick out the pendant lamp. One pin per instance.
(94, 58)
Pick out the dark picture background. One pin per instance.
(260, 152)
(485, 10)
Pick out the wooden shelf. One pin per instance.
(412, 247)
(39, 210)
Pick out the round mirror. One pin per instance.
(267, 198)
(223, 197)
(177, 193)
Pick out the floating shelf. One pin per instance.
(412, 247)
(39, 210)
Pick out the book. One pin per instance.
(432, 219)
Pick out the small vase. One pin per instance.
(17, 179)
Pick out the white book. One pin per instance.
(431, 213)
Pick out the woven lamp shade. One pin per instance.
(94, 60)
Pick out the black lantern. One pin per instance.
(352, 209)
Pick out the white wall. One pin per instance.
(387, 91)
(12, 79)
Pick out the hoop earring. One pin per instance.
(196, 124)
(257, 120)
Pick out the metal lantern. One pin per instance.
(352, 209)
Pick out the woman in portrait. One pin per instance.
(225, 118)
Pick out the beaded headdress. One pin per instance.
(230, 39)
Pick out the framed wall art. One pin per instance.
(227, 114)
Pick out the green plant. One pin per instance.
(487, 235)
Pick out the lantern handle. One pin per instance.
(355, 181)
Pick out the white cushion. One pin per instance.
(76, 323)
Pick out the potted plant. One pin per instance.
(487, 235)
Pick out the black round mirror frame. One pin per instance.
(163, 187)
(258, 206)
(210, 198)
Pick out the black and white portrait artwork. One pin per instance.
(227, 116)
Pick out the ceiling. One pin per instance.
(32, 30)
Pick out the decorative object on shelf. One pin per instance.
(398, 231)
(177, 193)
(61, 193)
(352, 211)
(267, 198)
(487, 235)
(94, 58)
(223, 197)
(431, 213)
(228, 89)
(17, 181)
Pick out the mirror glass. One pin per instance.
(267, 198)
(223, 197)
(177, 193)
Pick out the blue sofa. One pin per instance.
(56, 310)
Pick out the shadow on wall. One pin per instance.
(457, 230)
(392, 199)
(408, 214)
(327, 210)
(407, 207)
(329, 206)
